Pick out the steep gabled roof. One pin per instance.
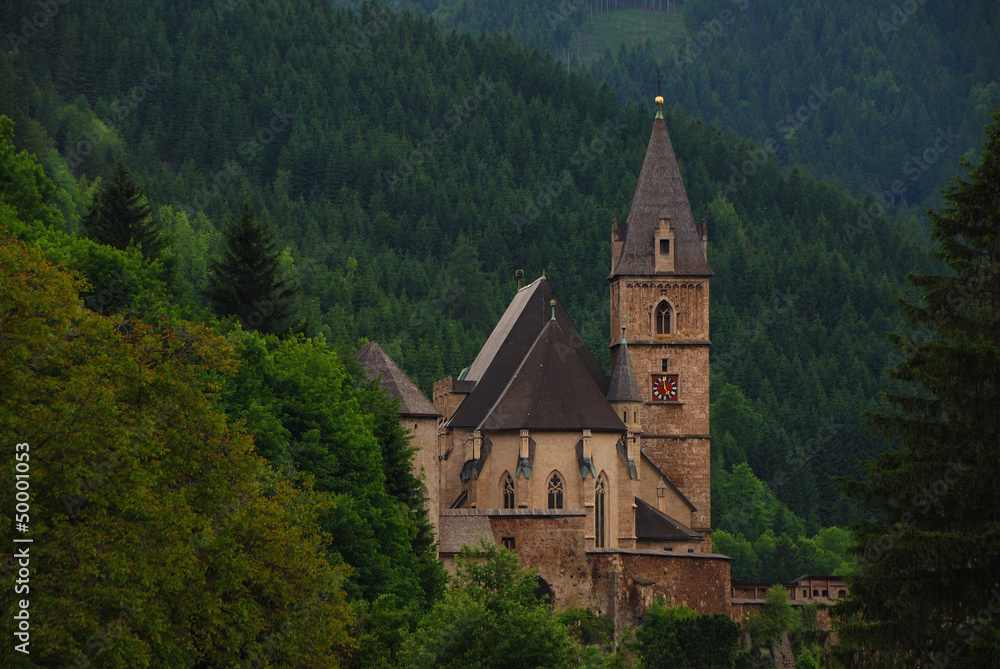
(552, 390)
(509, 344)
(651, 524)
(395, 382)
(624, 387)
(660, 192)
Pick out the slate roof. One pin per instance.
(395, 382)
(551, 390)
(659, 192)
(653, 524)
(510, 343)
(624, 387)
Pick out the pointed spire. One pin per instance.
(624, 387)
(659, 192)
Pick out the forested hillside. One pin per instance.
(871, 93)
(408, 173)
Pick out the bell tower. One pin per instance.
(659, 286)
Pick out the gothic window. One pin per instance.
(555, 492)
(600, 498)
(508, 492)
(662, 317)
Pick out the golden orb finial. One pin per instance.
(659, 100)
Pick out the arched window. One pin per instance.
(600, 498)
(508, 492)
(662, 317)
(555, 492)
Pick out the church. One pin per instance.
(601, 484)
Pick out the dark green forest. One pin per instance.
(868, 93)
(407, 172)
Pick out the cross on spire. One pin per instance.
(658, 81)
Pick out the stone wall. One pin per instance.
(554, 545)
(626, 582)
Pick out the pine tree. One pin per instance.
(928, 543)
(120, 216)
(245, 282)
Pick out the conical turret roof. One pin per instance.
(395, 382)
(624, 387)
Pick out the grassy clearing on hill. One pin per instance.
(630, 27)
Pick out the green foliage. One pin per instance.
(120, 216)
(245, 280)
(587, 627)
(139, 486)
(490, 617)
(806, 660)
(679, 638)
(767, 542)
(305, 410)
(927, 531)
(493, 156)
(23, 184)
(776, 618)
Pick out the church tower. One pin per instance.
(659, 291)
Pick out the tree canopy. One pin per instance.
(246, 281)
(120, 215)
(928, 536)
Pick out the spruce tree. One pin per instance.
(245, 282)
(120, 215)
(927, 586)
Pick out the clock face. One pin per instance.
(664, 387)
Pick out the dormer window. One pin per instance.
(663, 236)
